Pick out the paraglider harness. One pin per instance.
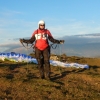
(33, 45)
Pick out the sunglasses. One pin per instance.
(42, 25)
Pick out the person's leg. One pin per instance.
(38, 54)
(46, 56)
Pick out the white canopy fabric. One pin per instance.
(17, 57)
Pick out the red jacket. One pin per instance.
(41, 37)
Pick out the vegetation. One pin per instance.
(20, 81)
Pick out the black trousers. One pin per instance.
(43, 57)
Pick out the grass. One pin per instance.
(19, 81)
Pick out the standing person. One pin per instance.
(42, 49)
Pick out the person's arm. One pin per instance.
(50, 37)
(30, 41)
(53, 40)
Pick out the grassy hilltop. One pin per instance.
(20, 81)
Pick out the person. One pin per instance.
(41, 37)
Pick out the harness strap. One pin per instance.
(27, 44)
(51, 45)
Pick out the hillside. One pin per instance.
(20, 81)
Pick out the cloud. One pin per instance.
(8, 20)
(13, 25)
(14, 28)
(74, 45)
(15, 47)
(9, 13)
(75, 28)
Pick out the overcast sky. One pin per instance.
(19, 18)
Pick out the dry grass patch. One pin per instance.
(19, 81)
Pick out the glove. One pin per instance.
(22, 40)
(61, 41)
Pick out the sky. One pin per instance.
(19, 18)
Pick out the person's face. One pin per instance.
(42, 26)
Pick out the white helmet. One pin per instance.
(41, 22)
